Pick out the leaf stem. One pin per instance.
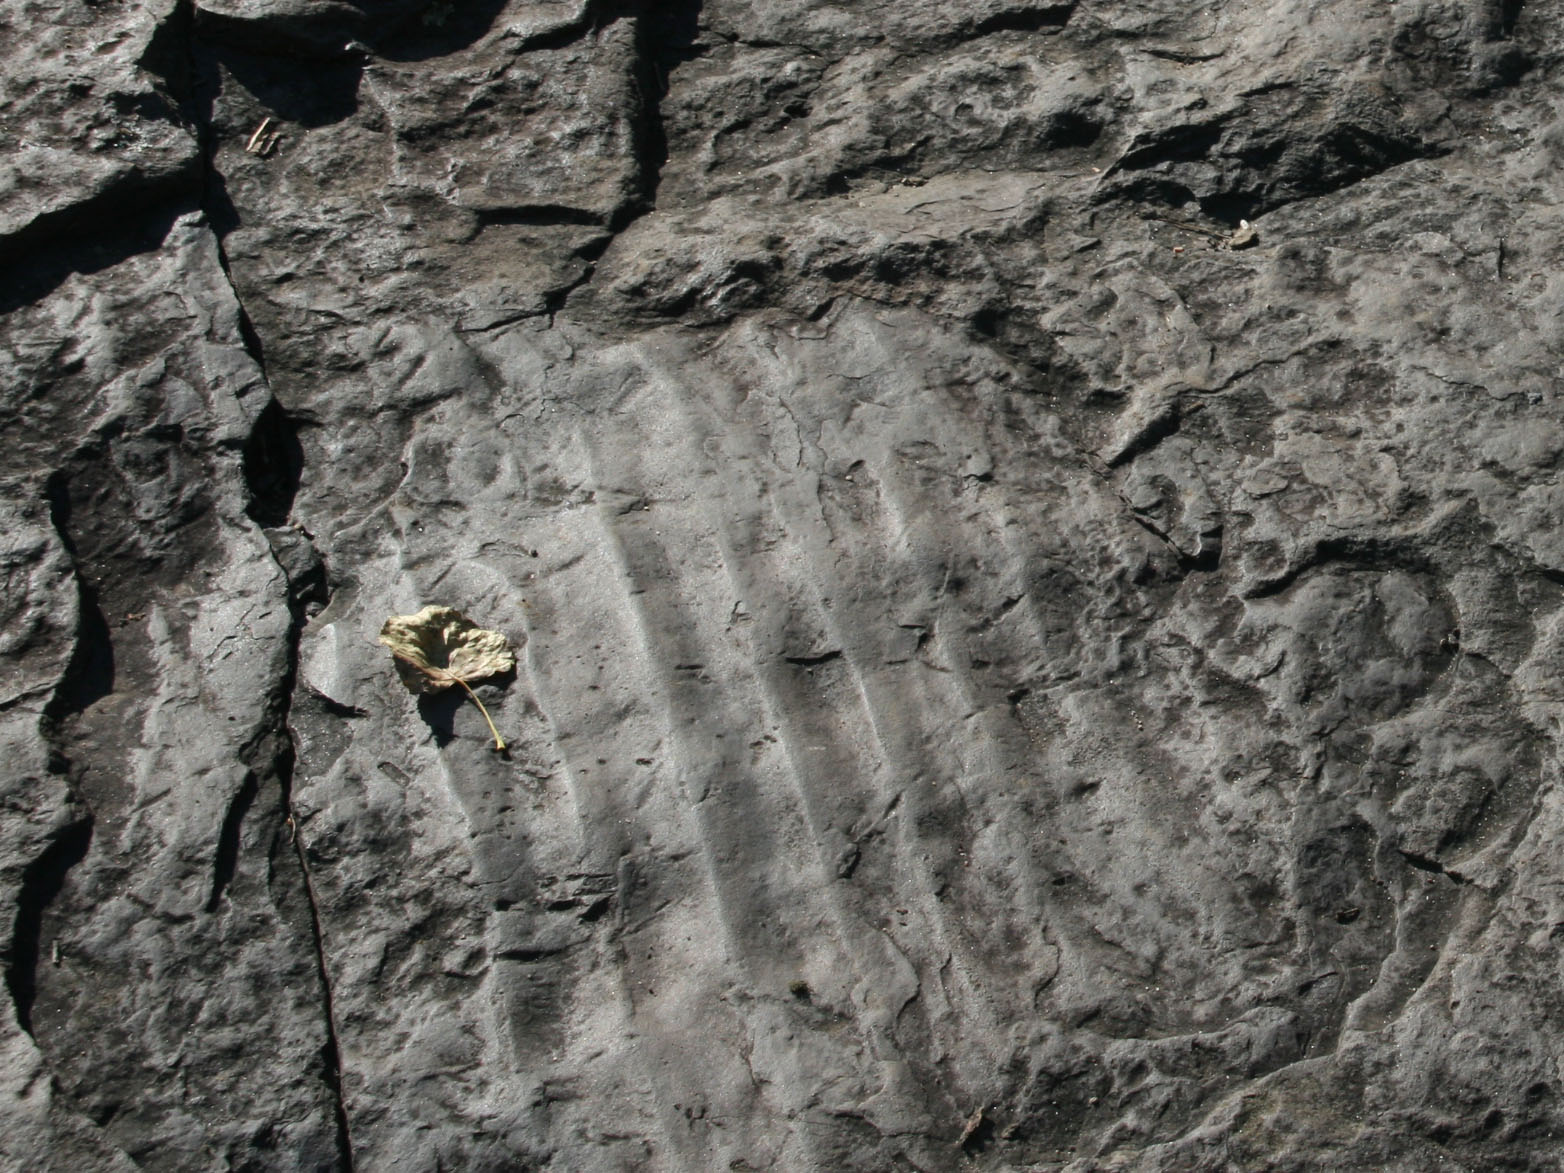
(499, 742)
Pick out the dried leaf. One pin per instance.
(440, 647)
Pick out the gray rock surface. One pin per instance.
(1032, 533)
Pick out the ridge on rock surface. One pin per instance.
(1031, 536)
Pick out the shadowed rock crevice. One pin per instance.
(41, 882)
(540, 216)
(1252, 180)
(1025, 20)
(87, 678)
(1425, 864)
(226, 861)
(167, 52)
(122, 196)
(665, 37)
(89, 675)
(92, 234)
(38, 259)
(273, 466)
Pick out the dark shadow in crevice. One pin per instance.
(323, 94)
(1232, 208)
(1424, 863)
(247, 331)
(336, 708)
(1158, 192)
(1352, 552)
(666, 36)
(167, 55)
(39, 258)
(442, 27)
(814, 661)
(89, 674)
(273, 462)
(671, 31)
(978, 1135)
(1509, 16)
(1025, 20)
(1071, 130)
(307, 35)
(141, 202)
(1161, 427)
(539, 216)
(1183, 144)
(1247, 180)
(42, 882)
(226, 863)
(279, 760)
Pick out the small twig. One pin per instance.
(1241, 237)
(262, 143)
(260, 133)
(1186, 227)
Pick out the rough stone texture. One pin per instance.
(1017, 671)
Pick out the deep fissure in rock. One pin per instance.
(272, 466)
(331, 1050)
(665, 37)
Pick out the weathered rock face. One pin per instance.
(1031, 531)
